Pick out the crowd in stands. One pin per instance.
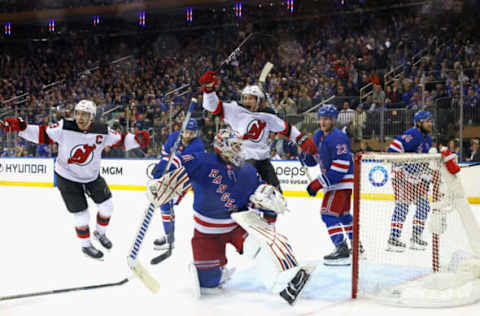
(313, 60)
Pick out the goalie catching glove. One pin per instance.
(268, 197)
(168, 187)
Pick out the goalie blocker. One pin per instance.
(224, 188)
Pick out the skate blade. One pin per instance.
(395, 248)
(97, 259)
(337, 262)
(162, 247)
(417, 247)
(211, 290)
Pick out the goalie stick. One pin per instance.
(132, 261)
(72, 289)
(168, 253)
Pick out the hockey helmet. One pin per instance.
(228, 144)
(422, 116)
(87, 106)
(328, 110)
(192, 125)
(253, 90)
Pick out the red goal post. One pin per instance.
(413, 197)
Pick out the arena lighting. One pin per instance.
(142, 18)
(8, 28)
(238, 9)
(189, 12)
(51, 25)
(290, 5)
(96, 20)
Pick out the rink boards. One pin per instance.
(132, 174)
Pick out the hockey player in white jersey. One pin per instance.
(77, 168)
(254, 123)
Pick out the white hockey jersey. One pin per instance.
(255, 127)
(79, 153)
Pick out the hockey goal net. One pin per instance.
(416, 240)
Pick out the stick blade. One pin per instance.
(145, 277)
(265, 71)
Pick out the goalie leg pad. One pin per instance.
(275, 256)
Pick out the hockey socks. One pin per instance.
(81, 227)
(105, 210)
(399, 215)
(168, 219)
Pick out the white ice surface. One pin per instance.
(39, 251)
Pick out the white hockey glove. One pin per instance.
(268, 197)
(168, 187)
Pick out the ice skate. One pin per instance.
(103, 239)
(416, 243)
(339, 257)
(161, 243)
(395, 244)
(92, 252)
(361, 252)
(295, 286)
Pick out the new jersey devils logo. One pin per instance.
(255, 130)
(81, 154)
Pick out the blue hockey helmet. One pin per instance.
(328, 110)
(422, 116)
(192, 125)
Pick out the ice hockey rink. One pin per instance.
(41, 252)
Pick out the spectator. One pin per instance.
(359, 122)
(345, 116)
(475, 155)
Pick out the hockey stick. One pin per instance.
(168, 253)
(132, 261)
(233, 54)
(81, 288)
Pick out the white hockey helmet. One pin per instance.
(256, 91)
(87, 106)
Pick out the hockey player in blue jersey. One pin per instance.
(411, 183)
(226, 190)
(189, 144)
(336, 180)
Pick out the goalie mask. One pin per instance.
(228, 145)
(255, 91)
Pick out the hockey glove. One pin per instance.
(267, 197)
(208, 81)
(306, 144)
(13, 124)
(449, 159)
(142, 138)
(168, 187)
(314, 187)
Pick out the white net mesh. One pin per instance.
(409, 230)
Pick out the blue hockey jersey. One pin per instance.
(196, 145)
(412, 141)
(219, 189)
(334, 158)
